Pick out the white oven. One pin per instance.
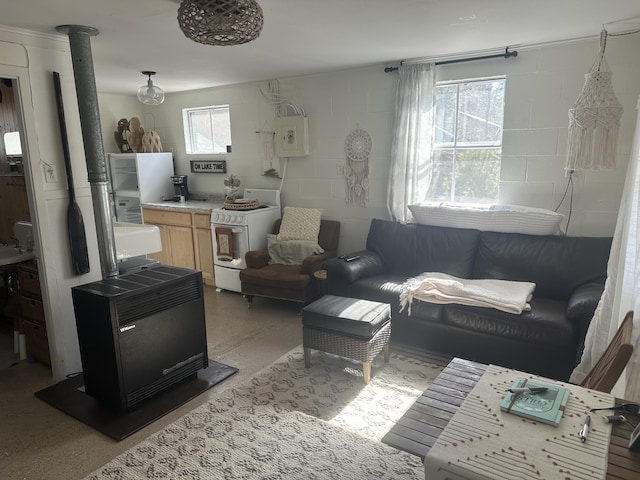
(239, 232)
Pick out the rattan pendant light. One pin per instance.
(594, 120)
(220, 22)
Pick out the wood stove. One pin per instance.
(140, 333)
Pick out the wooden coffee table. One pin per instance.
(419, 428)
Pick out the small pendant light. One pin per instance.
(149, 94)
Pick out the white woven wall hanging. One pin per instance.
(357, 148)
(594, 120)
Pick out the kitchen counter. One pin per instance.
(188, 206)
(185, 233)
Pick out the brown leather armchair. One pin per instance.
(289, 282)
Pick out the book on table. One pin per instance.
(544, 407)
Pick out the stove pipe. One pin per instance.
(80, 43)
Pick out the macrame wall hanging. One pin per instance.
(357, 148)
(594, 120)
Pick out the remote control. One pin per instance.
(351, 259)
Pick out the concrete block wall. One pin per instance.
(542, 84)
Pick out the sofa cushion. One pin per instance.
(285, 276)
(557, 265)
(387, 288)
(412, 249)
(545, 324)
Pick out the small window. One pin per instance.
(12, 145)
(207, 130)
(467, 141)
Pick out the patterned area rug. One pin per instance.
(289, 422)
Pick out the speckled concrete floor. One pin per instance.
(38, 442)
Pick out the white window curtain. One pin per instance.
(622, 288)
(410, 170)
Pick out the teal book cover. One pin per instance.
(545, 407)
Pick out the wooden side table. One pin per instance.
(321, 278)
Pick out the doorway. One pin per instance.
(14, 207)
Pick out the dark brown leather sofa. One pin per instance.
(569, 273)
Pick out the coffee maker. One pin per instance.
(181, 190)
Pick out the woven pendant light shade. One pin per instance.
(220, 22)
(594, 120)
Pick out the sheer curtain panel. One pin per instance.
(410, 169)
(622, 285)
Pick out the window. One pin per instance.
(12, 145)
(207, 129)
(467, 141)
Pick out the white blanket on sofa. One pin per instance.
(435, 287)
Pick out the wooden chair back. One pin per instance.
(606, 372)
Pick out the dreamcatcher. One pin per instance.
(357, 148)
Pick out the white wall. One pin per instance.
(542, 84)
(31, 58)
(112, 109)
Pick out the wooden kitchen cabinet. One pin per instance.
(186, 239)
(32, 312)
(203, 245)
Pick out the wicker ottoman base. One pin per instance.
(359, 349)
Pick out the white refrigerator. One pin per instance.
(137, 178)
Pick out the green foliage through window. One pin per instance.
(467, 141)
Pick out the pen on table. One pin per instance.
(528, 390)
(585, 429)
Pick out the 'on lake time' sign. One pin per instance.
(208, 166)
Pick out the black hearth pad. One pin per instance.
(69, 397)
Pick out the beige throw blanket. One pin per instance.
(435, 287)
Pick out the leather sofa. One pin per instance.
(569, 273)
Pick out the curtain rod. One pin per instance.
(506, 54)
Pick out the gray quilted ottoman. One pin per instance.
(348, 327)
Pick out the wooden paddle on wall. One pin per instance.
(75, 223)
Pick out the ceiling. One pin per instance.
(303, 37)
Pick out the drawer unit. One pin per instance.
(32, 313)
(37, 341)
(32, 309)
(202, 220)
(29, 280)
(167, 217)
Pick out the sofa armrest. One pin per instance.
(257, 258)
(340, 273)
(313, 263)
(584, 300)
(580, 309)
